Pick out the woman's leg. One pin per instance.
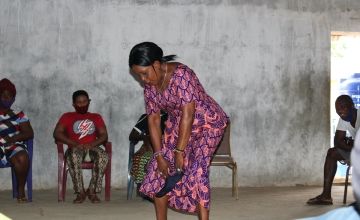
(100, 159)
(74, 158)
(203, 213)
(20, 161)
(161, 207)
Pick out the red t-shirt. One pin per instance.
(82, 128)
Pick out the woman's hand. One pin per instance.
(80, 146)
(7, 139)
(163, 166)
(179, 160)
(87, 146)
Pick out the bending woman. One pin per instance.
(194, 128)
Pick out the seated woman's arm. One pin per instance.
(60, 136)
(26, 132)
(138, 132)
(102, 137)
(135, 136)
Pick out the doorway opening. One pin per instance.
(345, 78)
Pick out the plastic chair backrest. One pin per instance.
(224, 146)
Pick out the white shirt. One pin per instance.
(346, 126)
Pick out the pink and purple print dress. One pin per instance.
(207, 130)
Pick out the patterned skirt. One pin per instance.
(7, 152)
(194, 187)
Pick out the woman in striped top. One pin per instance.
(15, 129)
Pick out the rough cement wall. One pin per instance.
(266, 62)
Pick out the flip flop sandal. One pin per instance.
(170, 183)
(318, 200)
(93, 198)
(22, 200)
(80, 198)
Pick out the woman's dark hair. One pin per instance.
(146, 53)
(6, 84)
(79, 93)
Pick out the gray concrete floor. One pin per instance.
(254, 203)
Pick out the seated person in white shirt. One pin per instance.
(351, 212)
(342, 146)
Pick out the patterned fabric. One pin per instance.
(9, 126)
(75, 157)
(140, 161)
(207, 130)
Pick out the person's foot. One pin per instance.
(320, 200)
(22, 199)
(80, 197)
(94, 199)
(92, 196)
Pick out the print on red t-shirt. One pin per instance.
(81, 127)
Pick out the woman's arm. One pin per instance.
(187, 119)
(102, 137)
(339, 141)
(59, 135)
(155, 136)
(134, 136)
(155, 131)
(26, 132)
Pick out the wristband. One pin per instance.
(178, 150)
(157, 153)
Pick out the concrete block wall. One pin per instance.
(267, 62)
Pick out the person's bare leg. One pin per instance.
(203, 213)
(161, 207)
(330, 168)
(20, 162)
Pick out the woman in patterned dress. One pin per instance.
(193, 130)
(15, 128)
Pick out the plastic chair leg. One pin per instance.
(29, 183)
(130, 187)
(64, 183)
(14, 183)
(233, 180)
(346, 184)
(236, 182)
(61, 167)
(130, 181)
(107, 182)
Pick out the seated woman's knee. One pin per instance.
(103, 157)
(21, 159)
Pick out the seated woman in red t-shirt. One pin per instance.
(83, 132)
